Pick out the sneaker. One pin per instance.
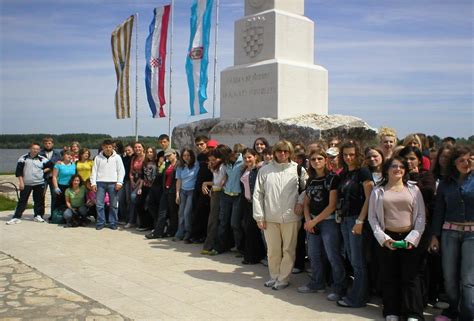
(38, 219)
(441, 318)
(392, 317)
(213, 252)
(308, 289)
(128, 225)
(113, 227)
(296, 271)
(333, 297)
(99, 227)
(412, 319)
(270, 283)
(143, 229)
(14, 221)
(441, 305)
(280, 285)
(152, 236)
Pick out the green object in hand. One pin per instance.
(400, 244)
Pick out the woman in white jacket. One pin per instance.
(274, 201)
(397, 217)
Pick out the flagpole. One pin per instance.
(170, 95)
(136, 78)
(215, 60)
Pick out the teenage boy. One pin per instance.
(201, 201)
(30, 172)
(53, 157)
(107, 177)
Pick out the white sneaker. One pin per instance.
(392, 317)
(14, 221)
(270, 283)
(280, 285)
(38, 219)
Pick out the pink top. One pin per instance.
(398, 210)
(245, 180)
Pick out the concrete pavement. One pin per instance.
(160, 279)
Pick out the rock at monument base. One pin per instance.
(304, 129)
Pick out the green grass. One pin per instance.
(7, 204)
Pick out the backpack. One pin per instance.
(57, 216)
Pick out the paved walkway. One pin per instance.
(26, 293)
(160, 279)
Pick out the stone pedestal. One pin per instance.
(274, 73)
(305, 129)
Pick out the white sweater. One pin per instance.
(107, 170)
(276, 192)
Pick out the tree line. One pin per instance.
(91, 141)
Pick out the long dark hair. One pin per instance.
(192, 157)
(386, 167)
(359, 157)
(264, 141)
(73, 177)
(458, 151)
(410, 149)
(437, 167)
(367, 150)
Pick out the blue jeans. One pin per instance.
(184, 214)
(354, 249)
(229, 218)
(458, 260)
(102, 188)
(329, 238)
(80, 212)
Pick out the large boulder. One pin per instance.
(304, 129)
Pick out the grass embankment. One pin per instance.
(7, 204)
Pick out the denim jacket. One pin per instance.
(232, 184)
(454, 203)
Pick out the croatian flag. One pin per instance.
(155, 53)
(197, 60)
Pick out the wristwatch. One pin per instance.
(359, 221)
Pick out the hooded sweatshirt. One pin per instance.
(107, 169)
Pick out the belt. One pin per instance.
(457, 227)
(216, 189)
(232, 194)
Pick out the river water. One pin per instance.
(9, 158)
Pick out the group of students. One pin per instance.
(395, 220)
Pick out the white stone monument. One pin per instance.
(274, 74)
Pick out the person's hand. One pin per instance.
(139, 191)
(21, 186)
(309, 226)
(298, 209)
(434, 245)
(410, 246)
(177, 199)
(205, 189)
(357, 229)
(388, 244)
(118, 187)
(261, 225)
(94, 188)
(57, 190)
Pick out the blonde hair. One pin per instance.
(283, 145)
(411, 138)
(387, 131)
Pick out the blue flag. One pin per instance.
(197, 59)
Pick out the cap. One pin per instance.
(333, 151)
(169, 152)
(212, 143)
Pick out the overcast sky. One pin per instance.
(405, 64)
